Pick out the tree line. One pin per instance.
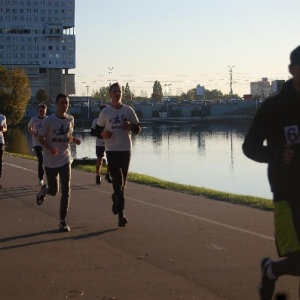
(15, 94)
(158, 94)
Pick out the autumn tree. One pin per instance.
(42, 97)
(157, 93)
(14, 93)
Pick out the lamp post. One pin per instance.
(110, 72)
(88, 99)
(167, 88)
(230, 72)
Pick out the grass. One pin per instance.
(255, 202)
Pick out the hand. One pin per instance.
(106, 134)
(127, 125)
(288, 155)
(77, 141)
(54, 151)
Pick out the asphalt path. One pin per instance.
(175, 246)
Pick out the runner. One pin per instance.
(115, 125)
(55, 136)
(274, 138)
(3, 128)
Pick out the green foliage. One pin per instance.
(102, 94)
(157, 93)
(42, 97)
(14, 93)
(213, 95)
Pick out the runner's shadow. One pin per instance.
(63, 237)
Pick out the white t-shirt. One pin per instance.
(99, 142)
(56, 132)
(112, 119)
(36, 123)
(2, 123)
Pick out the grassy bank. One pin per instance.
(255, 202)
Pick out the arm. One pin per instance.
(135, 128)
(74, 140)
(42, 140)
(132, 123)
(30, 129)
(254, 147)
(93, 132)
(3, 128)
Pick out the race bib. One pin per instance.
(292, 134)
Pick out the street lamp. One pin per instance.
(110, 72)
(88, 99)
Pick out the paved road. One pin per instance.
(176, 246)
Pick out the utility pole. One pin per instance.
(110, 72)
(88, 99)
(230, 72)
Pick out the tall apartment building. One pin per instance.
(39, 36)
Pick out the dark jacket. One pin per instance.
(276, 125)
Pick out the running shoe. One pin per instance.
(108, 178)
(267, 286)
(122, 222)
(98, 180)
(63, 227)
(41, 195)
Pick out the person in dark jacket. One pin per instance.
(274, 138)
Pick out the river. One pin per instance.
(203, 154)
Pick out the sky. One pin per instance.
(183, 43)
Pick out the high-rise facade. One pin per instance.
(39, 36)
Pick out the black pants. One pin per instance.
(2, 147)
(39, 155)
(118, 162)
(62, 174)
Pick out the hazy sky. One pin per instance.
(183, 43)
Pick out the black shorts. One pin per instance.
(100, 151)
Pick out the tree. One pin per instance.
(127, 94)
(14, 93)
(102, 94)
(213, 94)
(42, 97)
(157, 93)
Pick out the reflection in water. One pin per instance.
(206, 155)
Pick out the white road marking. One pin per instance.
(170, 210)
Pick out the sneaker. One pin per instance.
(108, 178)
(41, 182)
(267, 286)
(41, 195)
(98, 180)
(115, 206)
(63, 227)
(122, 221)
